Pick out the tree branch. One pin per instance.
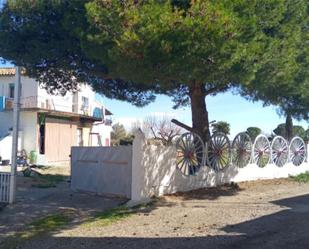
(186, 127)
(216, 89)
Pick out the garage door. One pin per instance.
(60, 135)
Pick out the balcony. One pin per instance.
(54, 104)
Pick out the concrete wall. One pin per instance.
(28, 126)
(154, 172)
(150, 170)
(102, 170)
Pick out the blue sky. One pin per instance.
(233, 109)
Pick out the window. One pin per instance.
(85, 103)
(11, 90)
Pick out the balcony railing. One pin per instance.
(55, 105)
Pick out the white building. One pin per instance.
(49, 124)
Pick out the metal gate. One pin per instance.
(102, 170)
(5, 179)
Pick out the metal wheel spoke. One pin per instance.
(218, 151)
(297, 151)
(261, 151)
(279, 151)
(190, 153)
(241, 147)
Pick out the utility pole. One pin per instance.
(16, 111)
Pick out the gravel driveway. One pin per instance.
(34, 203)
(263, 214)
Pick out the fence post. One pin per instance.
(138, 171)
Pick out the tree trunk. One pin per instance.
(289, 127)
(200, 122)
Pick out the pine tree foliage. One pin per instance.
(132, 50)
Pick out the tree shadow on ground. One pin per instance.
(211, 193)
(286, 229)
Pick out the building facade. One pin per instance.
(51, 124)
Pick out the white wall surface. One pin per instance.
(86, 91)
(154, 172)
(29, 87)
(55, 102)
(6, 146)
(27, 125)
(104, 131)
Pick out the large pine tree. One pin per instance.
(131, 50)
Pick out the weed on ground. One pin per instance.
(39, 227)
(304, 177)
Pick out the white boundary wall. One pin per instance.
(154, 172)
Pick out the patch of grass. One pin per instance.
(47, 224)
(39, 227)
(111, 216)
(49, 180)
(303, 177)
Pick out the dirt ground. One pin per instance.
(252, 215)
(38, 197)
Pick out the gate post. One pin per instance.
(138, 171)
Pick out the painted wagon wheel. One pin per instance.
(219, 151)
(297, 151)
(241, 150)
(279, 151)
(190, 153)
(261, 151)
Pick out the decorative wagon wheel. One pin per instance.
(297, 151)
(261, 151)
(219, 151)
(279, 151)
(241, 150)
(190, 153)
